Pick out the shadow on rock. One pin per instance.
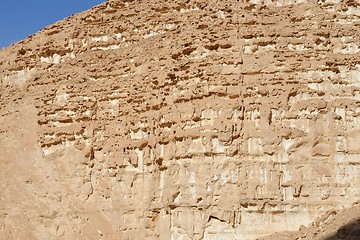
(350, 231)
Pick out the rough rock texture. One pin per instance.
(334, 225)
(181, 120)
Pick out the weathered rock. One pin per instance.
(181, 120)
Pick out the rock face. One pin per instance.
(181, 120)
(334, 225)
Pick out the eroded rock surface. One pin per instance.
(333, 225)
(181, 120)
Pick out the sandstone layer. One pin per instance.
(141, 119)
(334, 225)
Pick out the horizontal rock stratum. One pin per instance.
(144, 119)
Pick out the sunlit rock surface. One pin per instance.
(181, 120)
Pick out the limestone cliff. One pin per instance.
(141, 119)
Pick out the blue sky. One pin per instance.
(21, 18)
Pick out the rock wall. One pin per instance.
(334, 225)
(181, 120)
